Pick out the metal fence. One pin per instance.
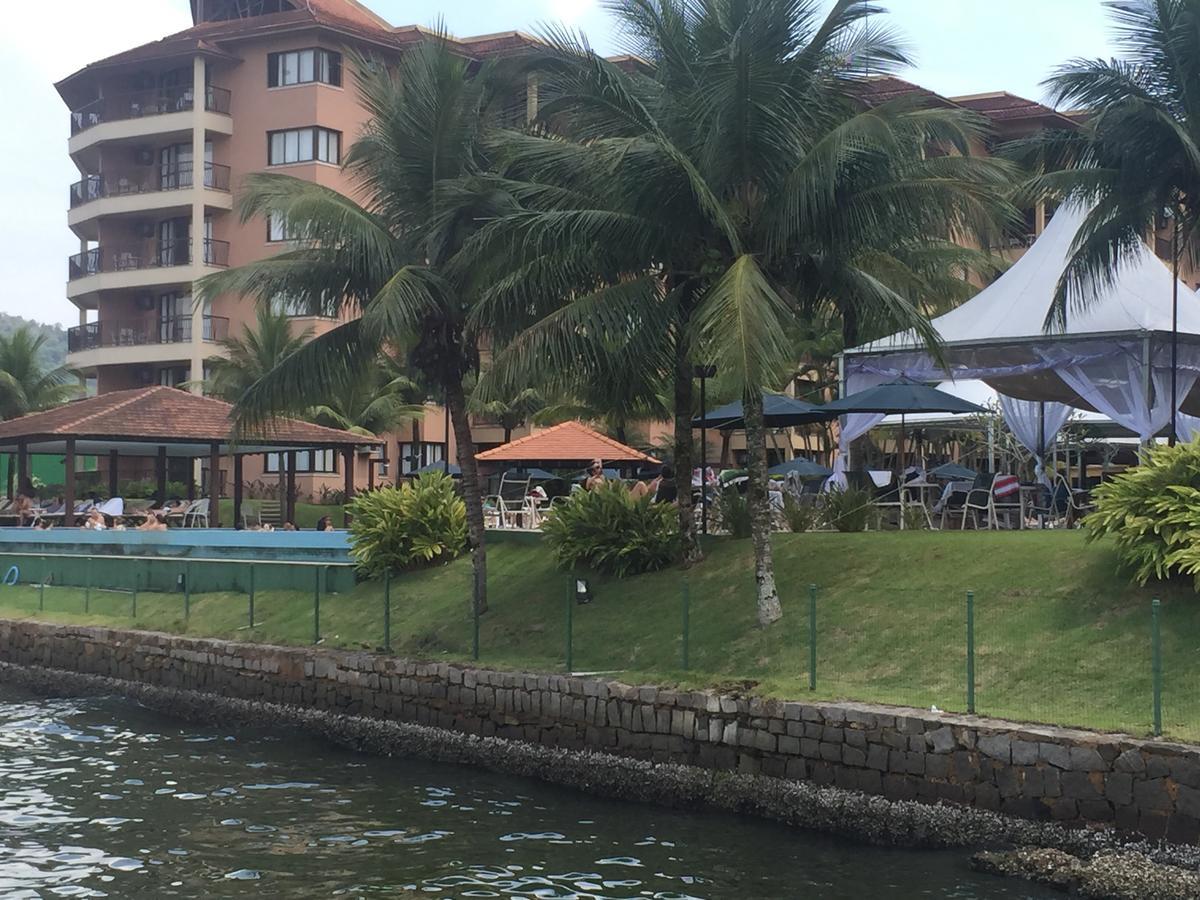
(964, 651)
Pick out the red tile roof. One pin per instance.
(1003, 107)
(882, 88)
(568, 442)
(163, 415)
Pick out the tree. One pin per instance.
(258, 350)
(388, 257)
(26, 385)
(688, 210)
(1136, 161)
(510, 412)
(374, 405)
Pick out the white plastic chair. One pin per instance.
(196, 514)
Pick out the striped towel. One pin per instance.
(1005, 486)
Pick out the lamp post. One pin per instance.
(703, 373)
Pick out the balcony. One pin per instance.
(146, 255)
(142, 104)
(177, 178)
(142, 332)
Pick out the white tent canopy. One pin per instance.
(1113, 357)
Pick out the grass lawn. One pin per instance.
(1060, 636)
(307, 514)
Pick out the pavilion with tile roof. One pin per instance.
(568, 444)
(161, 422)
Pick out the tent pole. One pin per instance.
(703, 452)
(1147, 381)
(1174, 436)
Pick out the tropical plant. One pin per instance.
(1152, 513)
(26, 385)
(610, 531)
(388, 256)
(378, 402)
(689, 210)
(394, 529)
(800, 517)
(510, 412)
(1135, 162)
(848, 510)
(733, 513)
(259, 350)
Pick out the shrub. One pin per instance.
(800, 517)
(1152, 512)
(848, 510)
(733, 512)
(400, 528)
(607, 530)
(145, 488)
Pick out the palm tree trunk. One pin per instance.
(472, 491)
(769, 608)
(692, 552)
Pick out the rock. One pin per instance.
(997, 746)
(942, 740)
(1087, 759)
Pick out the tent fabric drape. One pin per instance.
(853, 426)
(1035, 424)
(1117, 391)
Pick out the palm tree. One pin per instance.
(252, 355)
(1136, 161)
(25, 384)
(688, 211)
(510, 412)
(375, 405)
(385, 261)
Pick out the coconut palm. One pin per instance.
(26, 385)
(374, 405)
(250, 356)
(688, 210)
(509, 412)
(1136, 161)
(385, 259)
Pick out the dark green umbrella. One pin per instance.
(901, 397)
(805, 468)
(779, 411)
(953, 471)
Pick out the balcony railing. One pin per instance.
(143, 332)
(176, 178)
(147, 255)
(140, 104)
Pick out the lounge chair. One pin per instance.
(510, 502)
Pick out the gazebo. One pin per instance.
(160, 423)
(562, 446)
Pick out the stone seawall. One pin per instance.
(1042, 773)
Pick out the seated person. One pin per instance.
(154, 522)
(95, 520)
(43, 524)
(24, 505)
(288, 526)
(325, 523)
(595, 475)
(173, 507)
(665, 488)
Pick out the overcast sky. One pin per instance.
(960, 47)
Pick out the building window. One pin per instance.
(175, 376)
(304, 67)
(308, 462)
(415, 456)
(278, 229)
(304, 145)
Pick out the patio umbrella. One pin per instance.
(901, 397)
(779, 411)
(952, 471)
(531, 474)
(453, 471)
(805, 468)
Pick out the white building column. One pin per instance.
(199, 97)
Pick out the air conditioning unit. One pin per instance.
(145, 229)
(145, 375)
(145, 302)
(145, 157)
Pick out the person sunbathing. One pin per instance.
(95, 520)
(154, 522)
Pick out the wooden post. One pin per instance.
(237, 490)
(214, 485)
(12, 474)
(160, 473)
(348, 462)
(22, 466)
(290, 504)
(113, 488)
(69, 484)
(191, 482)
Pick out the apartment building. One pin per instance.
(164, 133)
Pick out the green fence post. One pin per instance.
(1156, 646)
(251, 611)
(812, 637)
(42, 588)
(317, 605)
(971, 652)
(133, 597)
(687, 603)
(387, 611)
(187, 592)
(87, 586)
(570, 660)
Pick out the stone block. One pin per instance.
(942, 739)
(810, 748)
(765, 741)
(831, 752)
(1157, 766)
(1087, 759)
(1118, 788)
(1152, 795)
(795, 768)
(996, 746)
(877, 757)
(1081, 786)
(937, 766)
(832, 735)
(869, 782)
(1185, 771)
(1055, 754)
(1131, 761)
(789, 746)
(853, 756)
(856, 738)
(966, 766)
(1024, 753)
(914, 763)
